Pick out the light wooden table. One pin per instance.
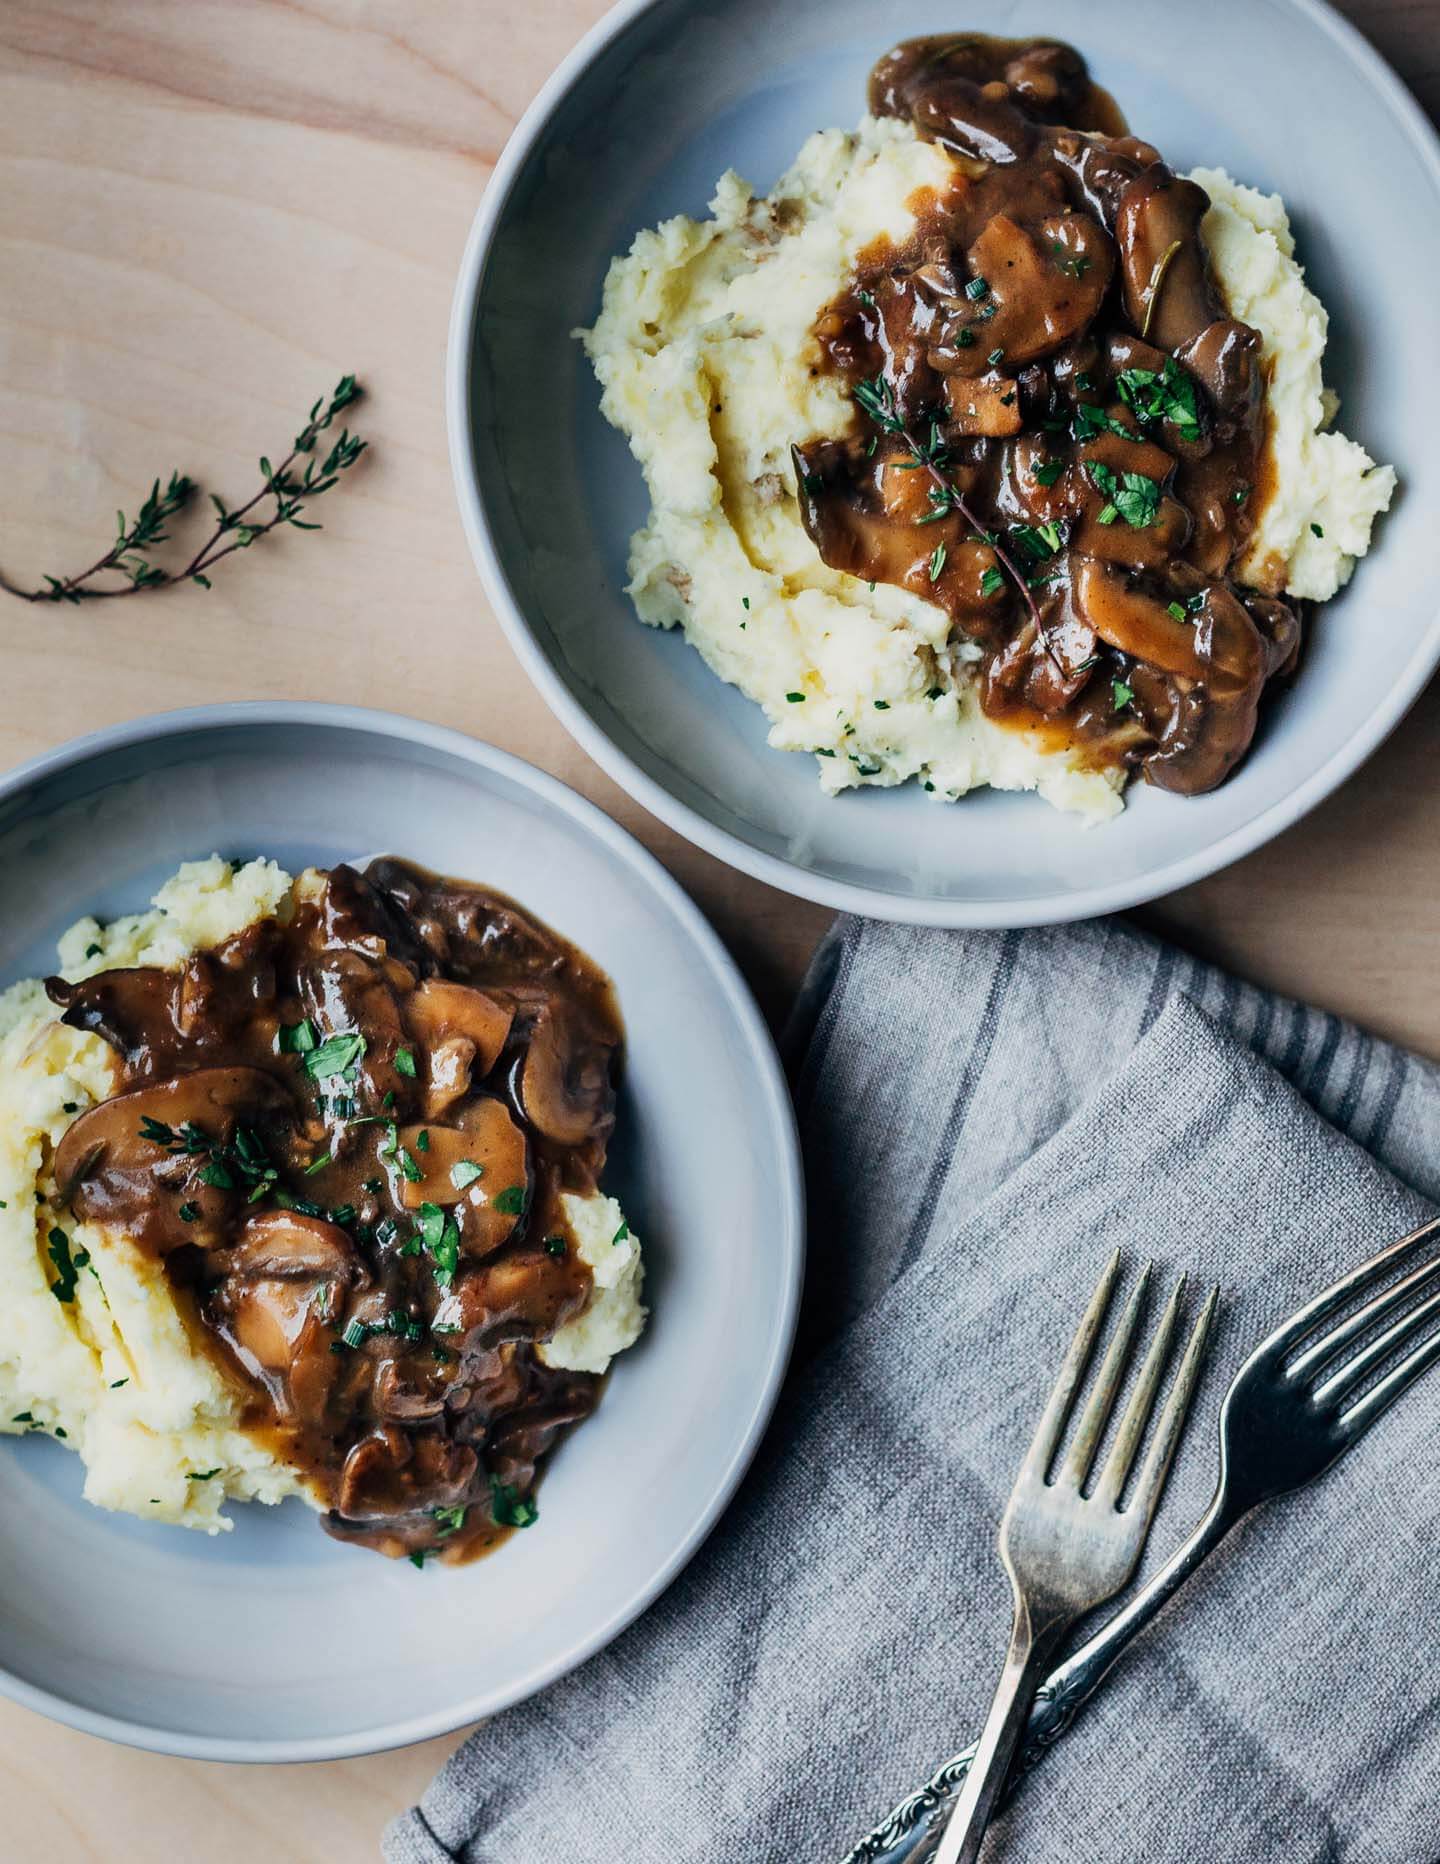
(208, 212)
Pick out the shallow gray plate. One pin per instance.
(274, 1642)
(638, 124)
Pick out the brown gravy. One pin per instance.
(347, 1138)
(1063, 438)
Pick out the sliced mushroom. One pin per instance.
(1212, 722)
(518, 1443)
(394, 1473)
(1138, 624)
(867, 518)
(1169, 294)
(445, 1017)
(1106, 531)
(566, 1084)
(115, 1166)
(487, 1140)
(1044, 284)
(286, 1245)
(524, 1294)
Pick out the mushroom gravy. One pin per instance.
(1063, 437)
(347, 1136)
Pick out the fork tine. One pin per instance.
(1156, 1467)
(1345, 1379)
(1057, 1408)
(1099, 1405)
(1326, 1348)
(1377, 1401)
(1142, 1403)
(1306, 1319)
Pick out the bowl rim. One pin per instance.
(734, 849)
(789, 1240)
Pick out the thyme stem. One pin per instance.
(128, 554)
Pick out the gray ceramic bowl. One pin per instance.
(636, 125)
(274, 1642)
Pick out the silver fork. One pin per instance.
(1065, 1551)
(1284, 1421)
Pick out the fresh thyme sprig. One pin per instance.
(286, 484)
(877, 399)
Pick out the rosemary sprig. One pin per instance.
(877, 399)
(287, 484)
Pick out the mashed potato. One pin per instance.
(614, 1319)
(705, 354)
(1326, 491)
(112, 1371)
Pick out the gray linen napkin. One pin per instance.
(985, 1117)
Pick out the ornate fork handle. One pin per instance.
(1065, 1691)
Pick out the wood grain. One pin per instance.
(208, 210)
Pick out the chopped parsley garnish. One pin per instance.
(1038, 541)
(1122, 693)
(298, 1038)
(1176, 609)
(422, 1140)
(73, 1106)
(336, 1055)
(621, 1233)
(554, 1245)
(937, 562)
(202, 1475)
(417, 1560)
(1316, 530)
(1242, 492)
(1135, 498)
(67, 1269)
(745, 602)
(1047, 472)
(189, 1212)
(965, 339)
(938, 692)
(796, 698)
(992, 582)
(440, 1234)
(1167, 396)
(509, 1508)
(405, 1063)
(465, 1172)
(23, 1417)
(977, 288)
(92, 951)
(996, 355)
(408, 1166)
(882, 705)
(115, 1384)
(511, 1200)
(216, 1176)
(1090, 421)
